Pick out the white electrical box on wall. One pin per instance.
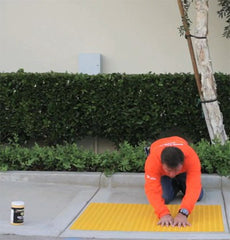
(89, 63)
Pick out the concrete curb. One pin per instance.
(118, 179)
(137, 180)
(76, 178)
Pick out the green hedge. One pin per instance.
(69, 157)
(61, 107)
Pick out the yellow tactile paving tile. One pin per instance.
(141, 217)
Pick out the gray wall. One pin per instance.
(133, 36)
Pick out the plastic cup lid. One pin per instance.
(17, 203)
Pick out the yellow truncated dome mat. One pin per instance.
(141, 217)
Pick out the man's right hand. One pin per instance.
(166, 220)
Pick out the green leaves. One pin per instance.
(54, 108)
(224, 12)
(69, 157)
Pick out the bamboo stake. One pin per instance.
(190, 46)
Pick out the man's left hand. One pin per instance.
(181, 221)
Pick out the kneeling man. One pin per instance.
(172, 166)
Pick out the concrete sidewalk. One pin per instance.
(53, 200)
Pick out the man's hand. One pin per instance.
(181, 221)
(166, 220)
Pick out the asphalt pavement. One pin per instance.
(54, 200)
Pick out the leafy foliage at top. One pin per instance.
(223, 13)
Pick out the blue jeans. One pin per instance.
(171, 186)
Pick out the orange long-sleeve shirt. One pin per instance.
(154, 171)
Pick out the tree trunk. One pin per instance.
(213, 115)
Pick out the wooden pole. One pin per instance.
(190, 46)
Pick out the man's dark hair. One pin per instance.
(172, 157)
